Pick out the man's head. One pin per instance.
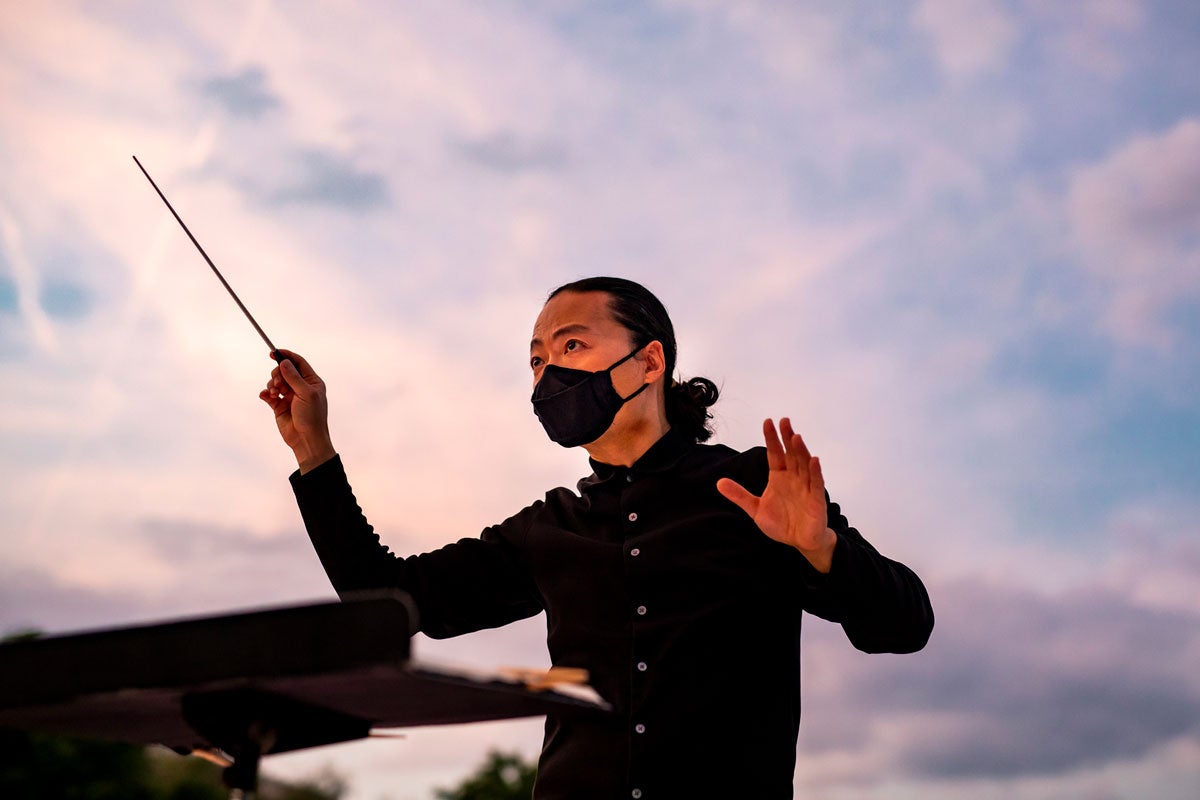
(594, 323)
(607, 380)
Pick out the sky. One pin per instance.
(957, 241)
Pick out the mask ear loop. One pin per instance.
(640, 389)
(636, 350)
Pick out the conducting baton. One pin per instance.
(274, 353)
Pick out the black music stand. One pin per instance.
(256, 683)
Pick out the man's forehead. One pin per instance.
(572, 313)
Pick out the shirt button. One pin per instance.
(636, 793)
(640, 728)
(629, 479)
(642, 666)
(635, 552)
(641, 610)
(633, 517)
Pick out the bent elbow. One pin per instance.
(917, 640)
(895, 636)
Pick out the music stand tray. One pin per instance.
(256, 683)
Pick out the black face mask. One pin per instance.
(576, 406)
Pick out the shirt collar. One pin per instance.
(662, 454)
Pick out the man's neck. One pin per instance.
(624, 448)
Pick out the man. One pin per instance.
(677, 575)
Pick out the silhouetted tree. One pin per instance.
(504, 776)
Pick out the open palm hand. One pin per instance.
(792, 507)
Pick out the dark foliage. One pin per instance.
(504, 776)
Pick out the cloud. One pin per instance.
(970, 37)
(65, 300)
(185, 542)
(1150, 568)
(172, 568)
(329, 179)
(36, 600)
(1135, 222)
(27, 281)
(1013, 684)
(217, 568)
(244, 94)
(1091, 35)
(8, 295)
(506, 151)
(1050, 685)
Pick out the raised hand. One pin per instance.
(297, 396)
(792, 507)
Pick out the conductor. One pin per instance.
(677, 573)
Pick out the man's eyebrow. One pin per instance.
(575, 327)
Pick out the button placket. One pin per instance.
(633, 527)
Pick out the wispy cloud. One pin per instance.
(1015, 684)
(27, 283)
(1135, 217)
(969, 37)
(329, 179)
(246, 93)
(506, 151)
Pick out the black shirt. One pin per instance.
(685, 614)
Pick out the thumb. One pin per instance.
(295, 380)
(738, 495)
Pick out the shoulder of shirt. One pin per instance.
(718, 454)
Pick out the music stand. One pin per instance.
(256, 683)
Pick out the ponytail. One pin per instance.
(688, 404)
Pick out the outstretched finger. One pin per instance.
(789, 446)
(816, 480)
(796, 445)
(776, 459)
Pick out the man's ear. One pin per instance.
(655, 360)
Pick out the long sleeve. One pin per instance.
(462, 587)
(881, 604)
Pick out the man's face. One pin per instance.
(577, 330)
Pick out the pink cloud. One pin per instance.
(969, 36)
(1135, 220)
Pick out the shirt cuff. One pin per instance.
(329, 472)
(825, 581)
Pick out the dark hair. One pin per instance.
(646, 319)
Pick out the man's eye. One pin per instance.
(573, 344)
(535, 362)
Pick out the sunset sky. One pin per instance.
(957, 241)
